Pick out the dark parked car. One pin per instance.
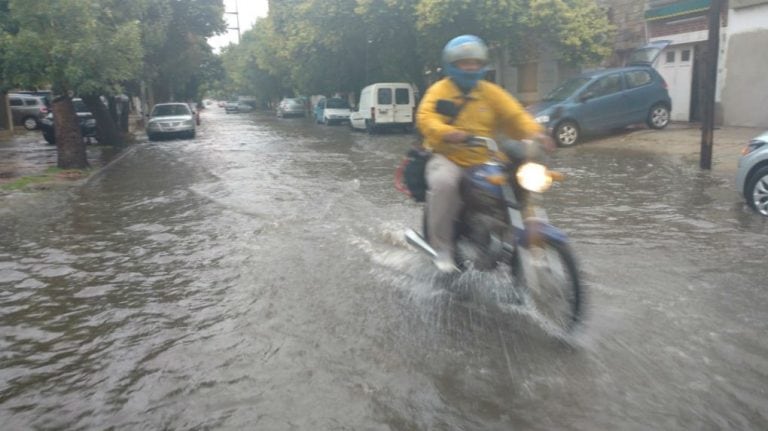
(752, 175)
(604, 100)
(27, 110)
(84, 118)
(607, 99)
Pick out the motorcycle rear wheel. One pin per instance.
(550, 283)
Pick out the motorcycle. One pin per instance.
(503, 227)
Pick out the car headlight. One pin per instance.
(542, 119)
(153, 126)
(752, 146)
(534, 177)
(189, 122)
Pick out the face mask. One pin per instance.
(465, 80)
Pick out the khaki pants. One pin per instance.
(443, 202)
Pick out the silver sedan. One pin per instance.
(752, 176)
(170, 120)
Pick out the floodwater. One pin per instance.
(257, 278)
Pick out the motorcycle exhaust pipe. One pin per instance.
(417, 241)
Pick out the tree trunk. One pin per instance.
(71, 148)
(107, 129)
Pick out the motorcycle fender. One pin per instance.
(537, 230)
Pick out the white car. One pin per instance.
(332, 111)
(170, 120)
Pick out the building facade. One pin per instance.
(744, 94)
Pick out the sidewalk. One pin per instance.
(26, 153)
(683, 141)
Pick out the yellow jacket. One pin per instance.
(488, 111)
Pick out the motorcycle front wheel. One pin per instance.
(549, 278)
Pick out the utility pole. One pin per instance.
(710, 85)
(237, 21)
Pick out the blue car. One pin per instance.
(604, 100)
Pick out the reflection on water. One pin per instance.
(256, 277)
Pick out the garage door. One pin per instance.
(676, 66)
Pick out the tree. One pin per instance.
(79, 48)
(323, 46)
(174, 35)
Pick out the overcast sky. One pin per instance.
(248, 11)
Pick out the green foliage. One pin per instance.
(578, 29)
(324, 46)
(75, 45)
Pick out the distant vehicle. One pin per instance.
(232, 107)
(752, 175)
(607, 99)
(27, 110)
(291, 107)
(384, 105)
(171, 119)
(331, 111)
(84, 118)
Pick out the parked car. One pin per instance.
(27, 110)
(171, 119)
(232, 107)
(291, 107)
(604, 100)
(752, 174)
(384, 105)
(84, 118)
(331, 111)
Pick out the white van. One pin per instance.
(384, 105)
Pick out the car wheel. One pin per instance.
(49, 138)
(756, 192)
(30, 123)
(658, 116)
(566, 133)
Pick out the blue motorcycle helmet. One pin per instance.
(465, 47)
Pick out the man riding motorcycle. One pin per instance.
(479, 108)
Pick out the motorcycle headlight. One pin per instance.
(534, 177)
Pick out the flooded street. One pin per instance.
(257, 278)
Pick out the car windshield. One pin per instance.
(168, 110)
(564, 90)
(79, 106)
(336, 104)
(292, 102)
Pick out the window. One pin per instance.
(670, 56)
(402, 96)
(638, 78)
(528, 78)
(686, 55)
(16, 102)
(30, 102)
(384, 96)
(605, 85)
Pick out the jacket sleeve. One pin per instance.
(514, 120)
(432, 125)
